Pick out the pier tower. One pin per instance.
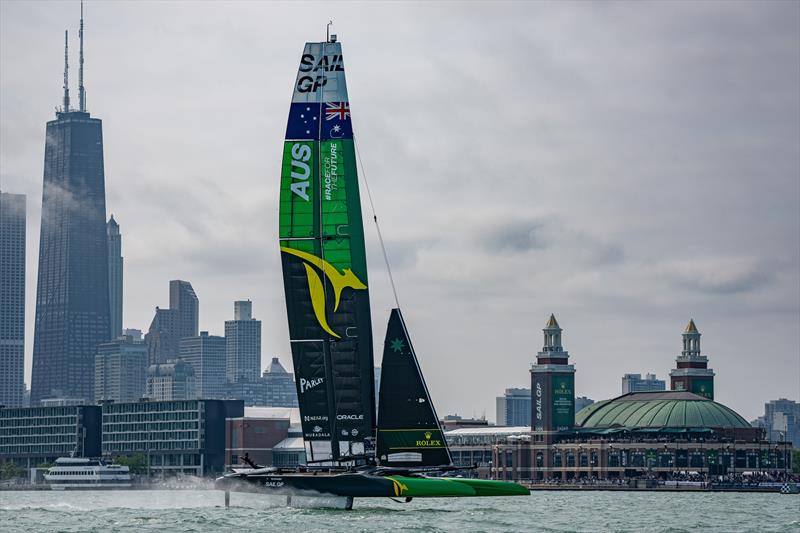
(691, 372)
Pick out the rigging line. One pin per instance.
(375, 219)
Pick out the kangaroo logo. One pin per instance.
(339, 280)
(399, 488)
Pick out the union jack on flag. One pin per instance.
(337, 110)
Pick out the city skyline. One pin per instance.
(633, 211)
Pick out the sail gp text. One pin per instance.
(330, 166)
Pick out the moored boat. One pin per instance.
(71, 473)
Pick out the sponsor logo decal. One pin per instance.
(306, 384)
(273, 483)
(349, 417)
(338, 280)
(317, 429)
(429, 442)
(323, 418)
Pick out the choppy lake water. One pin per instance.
(202, 510)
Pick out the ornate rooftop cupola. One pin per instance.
(691, 372)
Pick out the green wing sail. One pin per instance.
(324, 263)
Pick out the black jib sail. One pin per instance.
(409, 433)
(324, 264)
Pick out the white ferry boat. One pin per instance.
(70, 473)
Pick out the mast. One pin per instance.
(81, 90)
(66, 71)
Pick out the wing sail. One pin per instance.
(324, 262)
(409, 433)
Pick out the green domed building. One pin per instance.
(670, 411)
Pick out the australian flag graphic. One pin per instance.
(303, 121)
(336, 123)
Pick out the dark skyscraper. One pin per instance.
(12, 298)
(72, 305)
(115, 276)
(183, 298)
(171, 325)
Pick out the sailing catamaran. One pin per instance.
(321, 239)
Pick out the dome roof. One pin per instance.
(668, 409)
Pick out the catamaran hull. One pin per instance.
(367, 486)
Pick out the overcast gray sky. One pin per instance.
(625, 166)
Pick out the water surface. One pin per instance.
(183, 511)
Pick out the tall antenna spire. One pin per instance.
(81, 90)
(66, 71)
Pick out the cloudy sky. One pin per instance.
(626, 166)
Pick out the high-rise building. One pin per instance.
(72, 305)
(635, 383)
(12, 299)
(275, 388)
(691, 372)
(781, 421)
(206, 355)
(552, 384)
(183, 298)
(120, 370)
(243, 343)
(115, 264)
(514, 408)
(173, 380)
(171, 325)
(281, 390)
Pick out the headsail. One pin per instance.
(324, 264)
(409, 433)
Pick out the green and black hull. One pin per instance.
(365, 485)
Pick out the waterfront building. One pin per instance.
(635, 383)
(581, 402)
(691, 372)
(115, 264)
(657, 434)
(206, 355)
(256, 433)
(173, 380)
(35, 435)
(171, 325)
(552, 384)
(72, 303)
(12, 299)
(120, 370)
(176, 437)
(456, 421)
(243, 343)
(514, 408)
